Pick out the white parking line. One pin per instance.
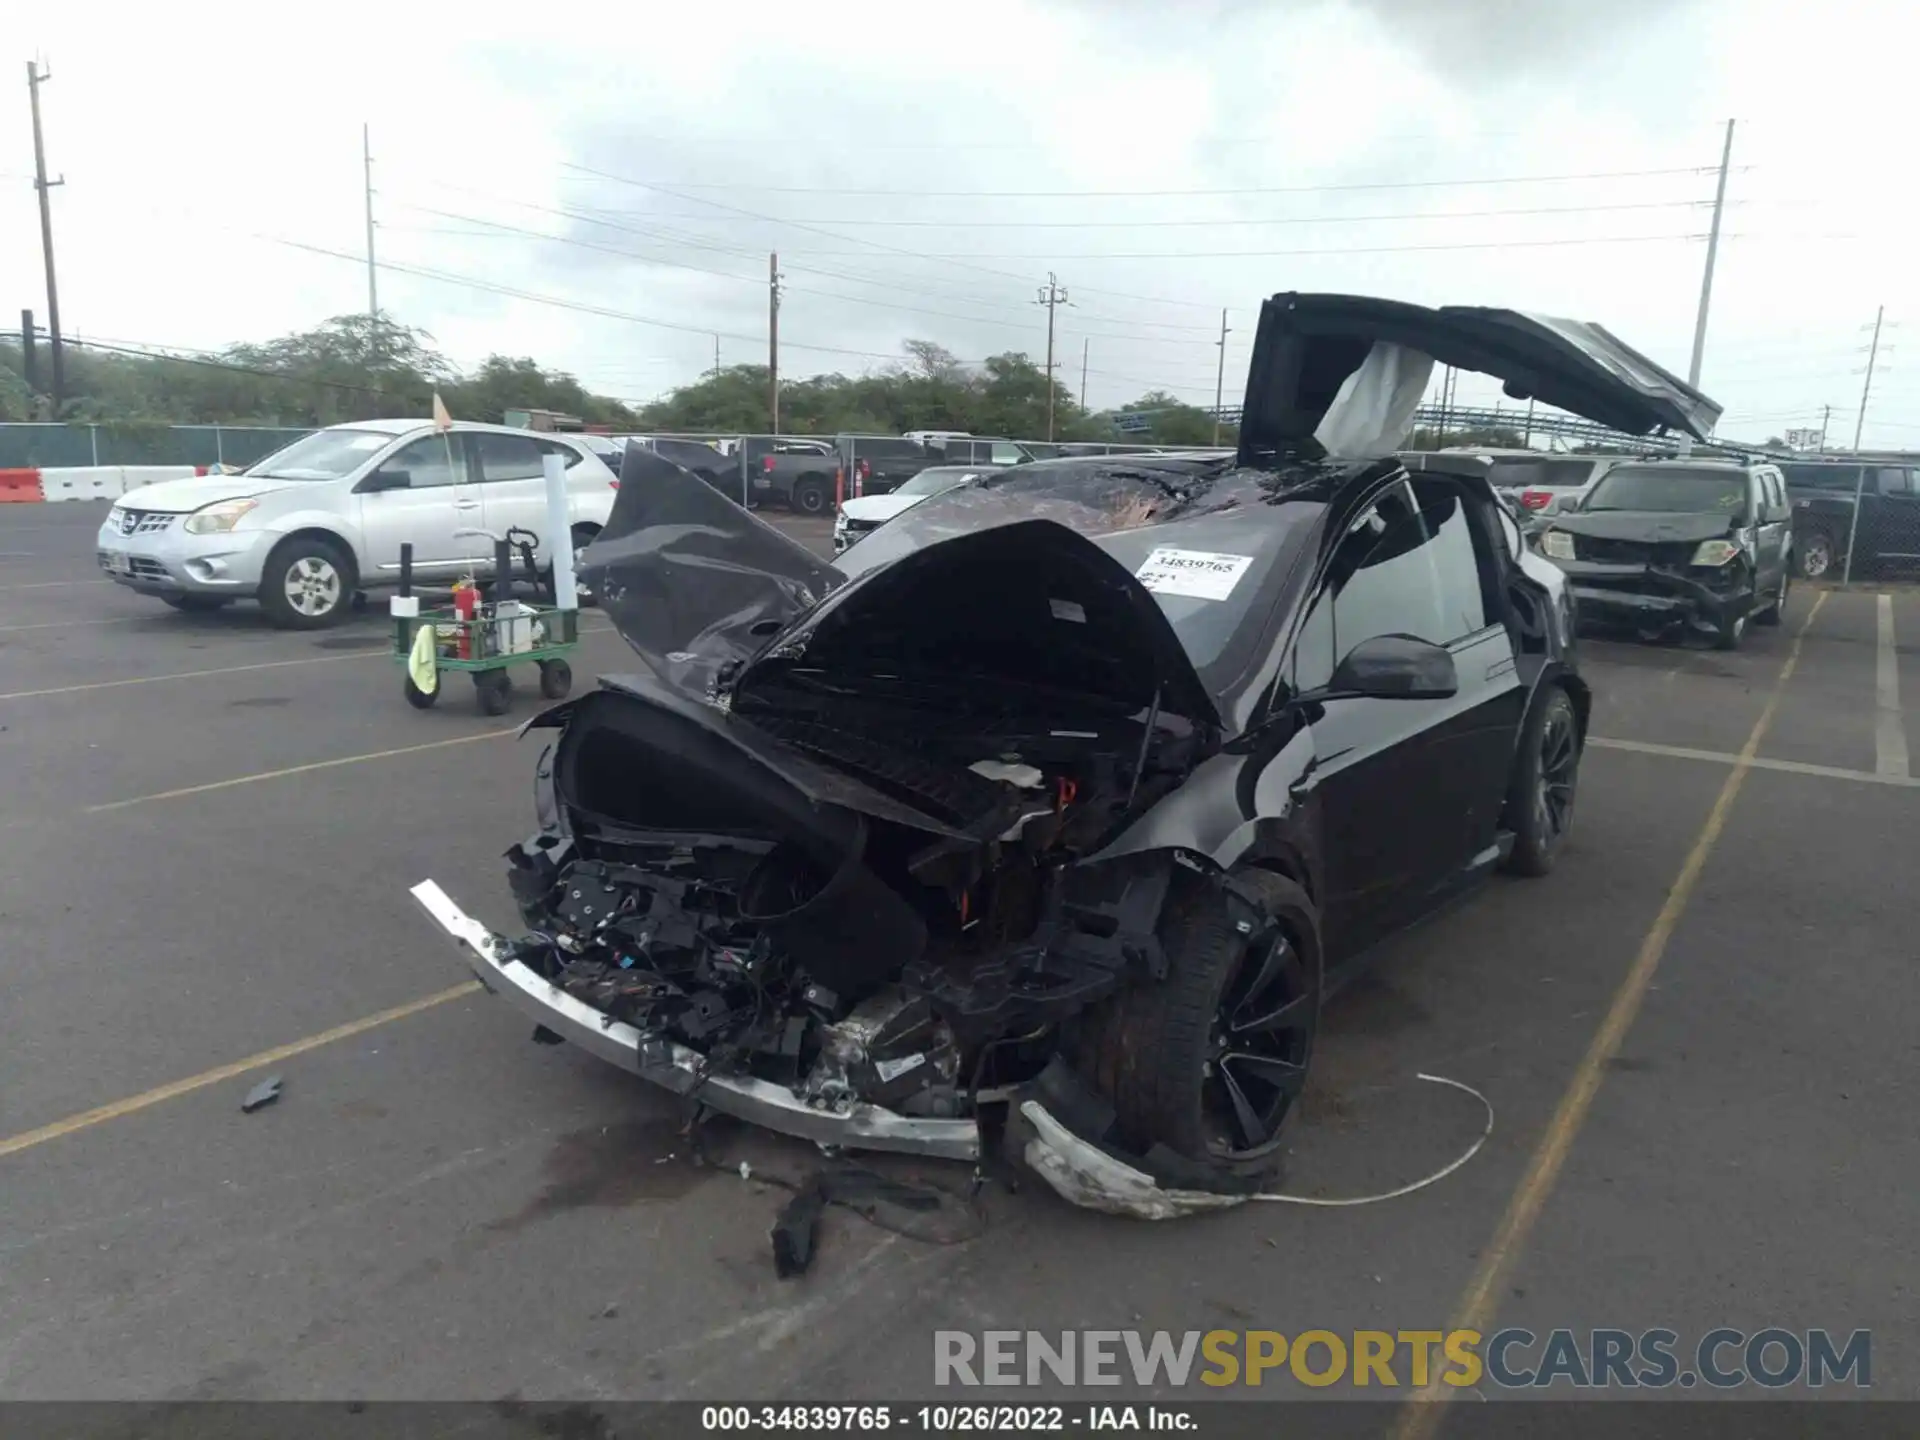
(190, 674)
(52, 584)
(1723, 757)
(1889, 731)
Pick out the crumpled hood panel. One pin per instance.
(692, 581)
(1655, 527)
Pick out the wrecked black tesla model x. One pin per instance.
(1106, 763)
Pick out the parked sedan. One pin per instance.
(307, 527)
(1084, 780)
(866, 513)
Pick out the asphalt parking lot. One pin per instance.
(209, 829)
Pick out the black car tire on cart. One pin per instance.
(418, 698)
(198, 604)
(1546, 774)
(1776, 612)
(307, 584)
(1210, 1060)
(494, 689)
(556, 679)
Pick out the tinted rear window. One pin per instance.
(1822, 477)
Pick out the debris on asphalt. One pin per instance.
(746, 1171)
(793, 1230)
(543, 1036)
(612, 1312)
(918, 1210)
(261, 1095)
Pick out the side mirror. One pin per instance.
(1396, 667)
(384, 479)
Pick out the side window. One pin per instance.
(1006, 455)
(569, 456)
(426, 462)
(506, 457)
(1894, 482)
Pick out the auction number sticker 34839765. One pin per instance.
(1196, 574)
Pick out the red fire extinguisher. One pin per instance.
(466, 602)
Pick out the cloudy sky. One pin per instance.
(599, 187)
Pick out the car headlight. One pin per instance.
(219, 517)
(1557, 545)
(1715, 552)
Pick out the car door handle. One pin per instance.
(466, 504)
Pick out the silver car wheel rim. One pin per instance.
(312, 585)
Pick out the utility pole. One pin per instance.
(1220, 377)
(1825, 412)
(1527, 438)
(773, 340)
(1051, 296)
(1084, 343)
(716, 357)
(36, 77)
(29, 363)
(1713, 249)
(366, 185)
(1873, 354)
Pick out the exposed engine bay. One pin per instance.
(917, 954)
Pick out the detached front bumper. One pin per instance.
(676, 1068)
(163, 559)
(1654, 596)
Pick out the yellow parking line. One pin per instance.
(133, 1103)
(1478, 1302)
(306, 769)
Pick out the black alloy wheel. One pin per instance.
(1261, 1041)
(1559, 772)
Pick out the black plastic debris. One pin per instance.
(915, 1209)
(793, 1229)
(261, 1096)
(543, 1036)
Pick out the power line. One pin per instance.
(532, 234)
(1336, 250)
(1260, 220)
(668, 188)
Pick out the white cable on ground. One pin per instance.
(1438, 1175)
(1088, 1176)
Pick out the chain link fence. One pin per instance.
(1855, 521)
(45, 446)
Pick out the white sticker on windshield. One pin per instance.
(1198, 574)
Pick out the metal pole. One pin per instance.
(773, 341)
(29, 362)
(1083, 373)
(366, 185)
(36, 77)
(1051, 296)
(1527, 438)
(1220, 377)
(1853, 525)
(1713, 249)
(716, 357)
(1825, 412)
(1873, 354)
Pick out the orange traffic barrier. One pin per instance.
(20, 485)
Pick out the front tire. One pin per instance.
(1546, 773)
(1731, 632)
(307, 584)
(1776, 612)
(1210, 1061)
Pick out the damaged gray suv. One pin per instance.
(1078, 785)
